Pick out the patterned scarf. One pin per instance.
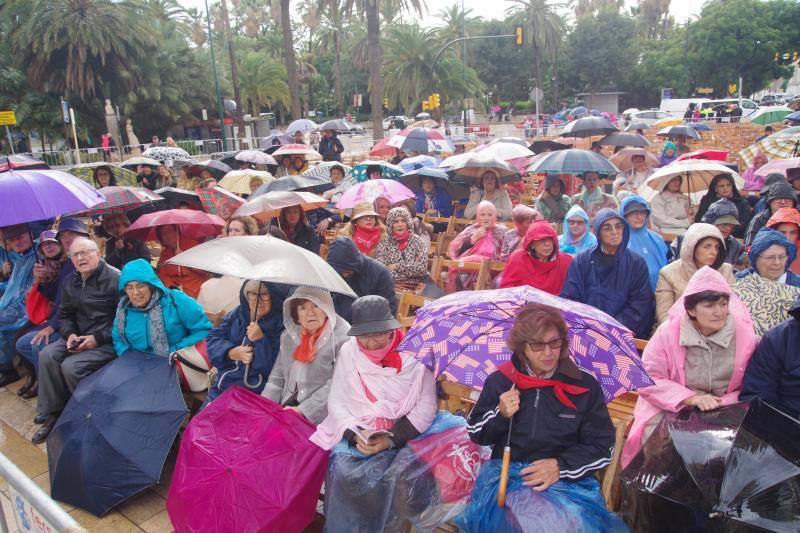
(401, 239)
(155, 319)
(366, 238)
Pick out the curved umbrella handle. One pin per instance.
(245, 378)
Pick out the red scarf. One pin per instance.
(388, 356)
(366, 238)
(402, 239)
(307, 349)
(524, 381)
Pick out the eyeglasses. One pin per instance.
(774, 258)
(616, 228)
(576, 222)
(82, 253)
(375, 336)
(554, 344)
(252, 296)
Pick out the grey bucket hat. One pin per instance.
(371, 314)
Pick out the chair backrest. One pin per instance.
(440, 264)
(407, 307)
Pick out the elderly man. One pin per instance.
(19, 244)
(119, 250)
(86, 315)
(612, 278)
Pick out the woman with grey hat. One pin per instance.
(780, 195)
(379, 399)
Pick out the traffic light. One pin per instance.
(732, 88)
(435, 101)
(794, 57)
(777, 57)
(386, 103)
(519, 35)
(426, 106)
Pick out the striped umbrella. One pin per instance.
(323, 170)
(120, 199)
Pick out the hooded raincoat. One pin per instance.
(674, 278)
(665, 359)
(742, 205)
(301, 384)
(13, 313)
(670, 211)
(764, 239)
(665, 159)
(647, 243)
(618, 285)
(523, 269)
(170, 315)
(567, 242)
(232, 332)
(779, 190)
(410, 264)
(369, 276)
(786, 215)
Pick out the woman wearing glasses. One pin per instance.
(560, 435)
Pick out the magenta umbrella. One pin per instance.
(368, 191)
(246, 464)
(29, 195)
(192, 224)
(779, 166)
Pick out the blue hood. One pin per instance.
(565, 239)
(606, 214)
(634, 198)
(345, 255)
(765, 238)
(140, 271)
(647, 243)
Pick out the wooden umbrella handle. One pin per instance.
(501, 493)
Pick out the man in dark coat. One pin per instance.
(612, 278)
(773, 373)
(364, 275)
(330, 147)
(780, 195)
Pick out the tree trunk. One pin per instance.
(375, 60)
(288, 52)
(234, 68)
(337, 71)
(555, 80)
(537, 71)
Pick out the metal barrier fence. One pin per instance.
(33, 509)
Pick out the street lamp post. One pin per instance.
(216, 82)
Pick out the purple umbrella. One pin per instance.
(29, 195)
(463, 337)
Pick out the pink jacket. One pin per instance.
(664, 359)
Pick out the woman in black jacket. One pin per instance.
(723, 186)
(294, 224)
(561, 434)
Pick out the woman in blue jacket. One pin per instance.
(152, 318)
(433, 200)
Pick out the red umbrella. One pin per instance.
(246, 464)
(713, 155)
(191, 224)
(119, 199)
(382, 148)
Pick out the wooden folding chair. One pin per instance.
(407, 307)
(441, 265)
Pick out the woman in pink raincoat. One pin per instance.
(752, 181)
(482, 241)
(697, 357)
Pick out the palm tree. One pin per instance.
(261, 80)
(455, 24)
(331, 32)
(79, 46)
(289, 56)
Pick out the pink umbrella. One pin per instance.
(192, 224)
(714, 155)
(779, 166)
(368, 191)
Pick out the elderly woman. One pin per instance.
(560, 435)
(538, 263)
(723, 186)
(119, 250)
(337, 174)
(553, 204)
(478, 242)
(575, 234)
(787, 221)
(489, 190)
(152, 318)
(103, 176)
(364, 229)
(240, 226)
(432, 200)
(250, 336)
(522, 216)
(697, 357)
(781, 195)
(670, 208)
(188, 280)
(702, 245)
(403, 252)
(310, 342)
(644, 241)
(593, 199)
(379, 400)
(292, 220)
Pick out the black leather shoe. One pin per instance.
(33, 392)
(40, 419)
(41, 435)
(28, 385)
(7, 378)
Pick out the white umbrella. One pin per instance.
(303, 125)
(323, 170)
(264, 258)
(505, 151)
(255, 157)
(270, 204)
(133, 162)
(696, 173)
(454, 160)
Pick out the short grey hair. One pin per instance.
(84, 240)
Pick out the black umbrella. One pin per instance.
(674, 131)
(589, 127)
(624, 139)
(412, 180)
(736, 468)
(573, 161)
(275, 140)
(175, 197)
(294, 183)
(336, 124)
(537, 147)
(112, 439)
(217, 168)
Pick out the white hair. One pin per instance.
(84, 240)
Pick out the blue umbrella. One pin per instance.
(794, 117)
(388, 170)
(419, 161)
(701, 126)
(413, 178)
(112, 439)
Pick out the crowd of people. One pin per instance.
(699, 295)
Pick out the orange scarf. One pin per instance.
(307, 348)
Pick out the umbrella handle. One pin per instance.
(501, 492)
(245, 378)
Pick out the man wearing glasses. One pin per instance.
(86, 315)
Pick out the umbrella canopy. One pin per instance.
(779, 166)
(293, 183)
(175, 197)
(112, 439)
(134, 162)
(574, 142)
(423, 140)
(276, 139)
(505, 151)
(624, 139)
(782, 147)
(472, 169)
(794, 117)
(382, 148)
(463, 337)
(713, 155)
(696, 173)
(86, 172)
(238, 181)
(701, 126)
(424, 123)
(453, 160)
(120, 199)
(637, 125)
(589, 127)
(539, 147)
(388, 170)
(411, 180)
(736, 468)
(166, 153)
(264, 258)
(672, 132)
(21, 162)
(665, 122)
(255, 157)
(622, 159)
(419, 161)
(459, 139)
(220, 202)
(323, 170)
(573, 161)
(370, 190)
(512, 140)
(303, 125)
(29, 195)
(228, 451)
(336, 124)
(269, 205)
(770, 115)
(191, 224)
(217, 168)
(297, 149)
